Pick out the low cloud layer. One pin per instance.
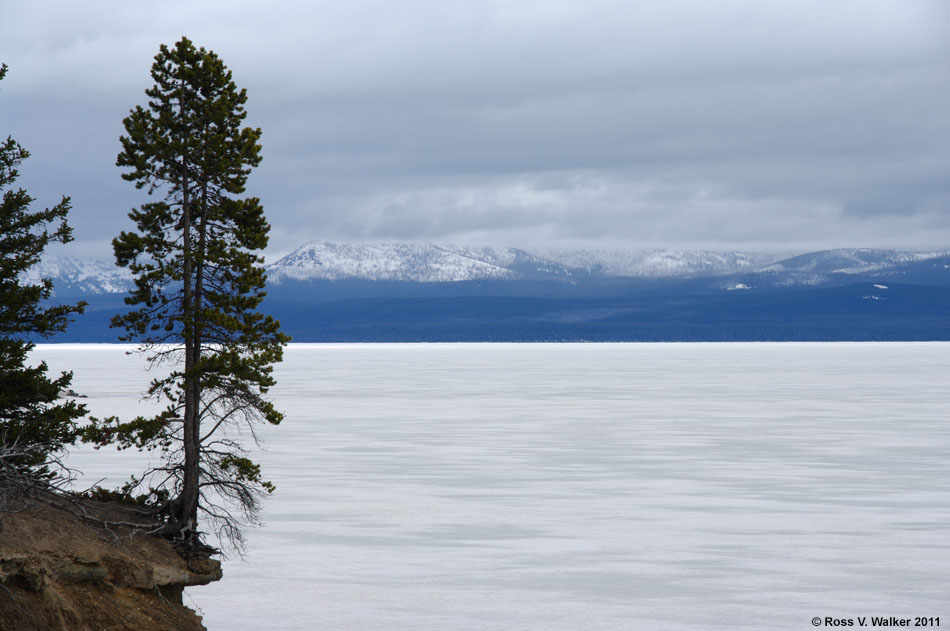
(781, 125)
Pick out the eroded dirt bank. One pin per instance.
(61, 572)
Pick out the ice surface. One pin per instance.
(598, 486)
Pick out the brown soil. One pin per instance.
(61, 572)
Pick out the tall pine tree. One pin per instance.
(198, 283)
(35, 424)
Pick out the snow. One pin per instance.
(659, 263)
(381, 261)
(419, 262)
(93, 276)
(847, 261)
(441, 263)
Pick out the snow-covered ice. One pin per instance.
(598, 486)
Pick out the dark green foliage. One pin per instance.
(34, 424)
(126, 495)
(198, 283)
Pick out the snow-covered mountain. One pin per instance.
(660, 263)
(843, 261)
(429, 263)
(441, 263)
(80, 276)
(383, 261)
(331, 292)
(815, 268)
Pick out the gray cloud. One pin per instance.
(785, 125)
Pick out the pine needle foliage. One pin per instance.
(35, 423)
(198, 283)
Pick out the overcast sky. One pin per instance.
(734, 124)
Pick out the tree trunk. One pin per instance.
(197, 335)
(185, 522)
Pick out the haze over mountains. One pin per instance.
(394, 292)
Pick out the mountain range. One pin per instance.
(442, 263)
(428, 263)
(421, 292)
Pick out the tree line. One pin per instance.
(194, 254)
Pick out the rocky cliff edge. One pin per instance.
(61, 572)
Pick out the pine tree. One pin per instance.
(35, 425)
(198, 283)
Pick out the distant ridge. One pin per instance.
(430, 263)
(842, 261)
(447, 263)
(383, 261)
(81, 276)
(409, 292)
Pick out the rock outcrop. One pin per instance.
(60, 572)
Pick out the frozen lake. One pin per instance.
(583, 486)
